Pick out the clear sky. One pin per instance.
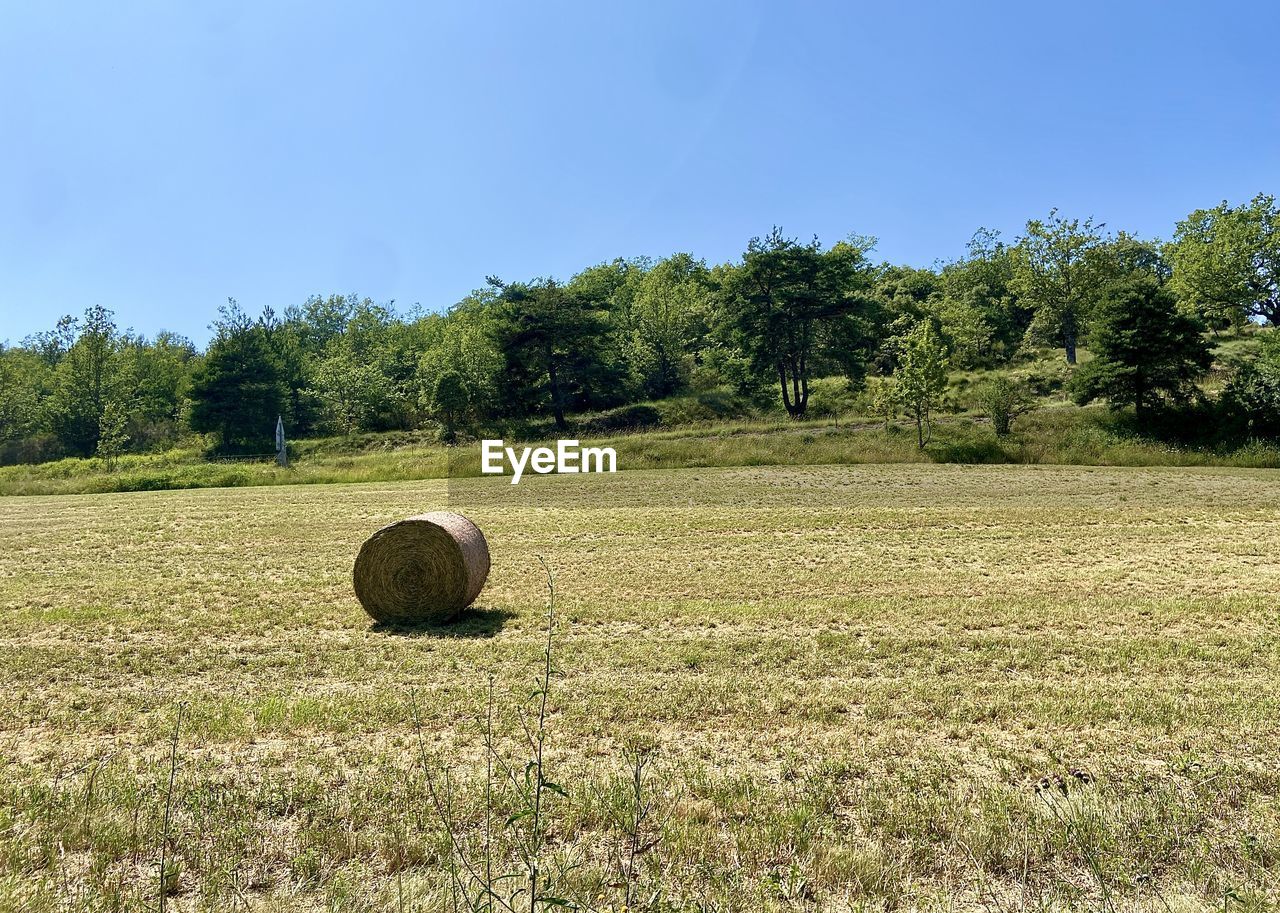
(157, 158)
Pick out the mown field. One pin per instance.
(856, 687)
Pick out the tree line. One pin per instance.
(633, 330)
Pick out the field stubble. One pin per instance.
(864, 687)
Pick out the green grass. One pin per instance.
(864, 685)
(712, 428)
(181, 469)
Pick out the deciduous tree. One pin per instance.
(669, 314)
(113, 431)
(982, 317)
(450, 403)
(87, 376)
(1252, 395)
(921, 376)
(1060, 272)
(351, 392)
(25, 382)
(1226, 262)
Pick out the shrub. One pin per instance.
(38, 448)
(709, 406)
(1251, 398)
(1004, 399)
(883, 398)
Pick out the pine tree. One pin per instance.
(1145, 350)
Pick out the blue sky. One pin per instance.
(157, 158)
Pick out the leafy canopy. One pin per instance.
(921, 376)
(1059, 271)
(789, 305)
(1226, 262)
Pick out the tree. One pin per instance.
(319, 320)
(607, 377)
(1004, 399)
(1127, 256)
(237, 391)
(1226, 262)
(611, 288)
(450, 403)
(906, 295)
(884, 398)
(52, 345)
(921, 376)
(1144, 349)
(982, 318)
(669, 312)
(350, 392)
(157, 373)
(25, 381)
(1060, 272)
(86, 378)
(113, 431)
(789, 305)
(551, 340)
(462, 342)
(292, 361)
(968, 329)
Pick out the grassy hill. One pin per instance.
(1057, 435)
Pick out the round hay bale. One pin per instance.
(423, 570)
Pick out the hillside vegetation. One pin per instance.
(717, 428)
(789, 328)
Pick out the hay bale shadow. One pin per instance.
(475, 622)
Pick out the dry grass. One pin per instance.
(855, 677)
(1062, 435)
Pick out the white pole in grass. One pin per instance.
(282, 454)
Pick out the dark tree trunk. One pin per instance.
(557, 407)
(666, 373)
(786, 393)
(1270, 312)
(803, 371)
(1070, 331)
(795, 392)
